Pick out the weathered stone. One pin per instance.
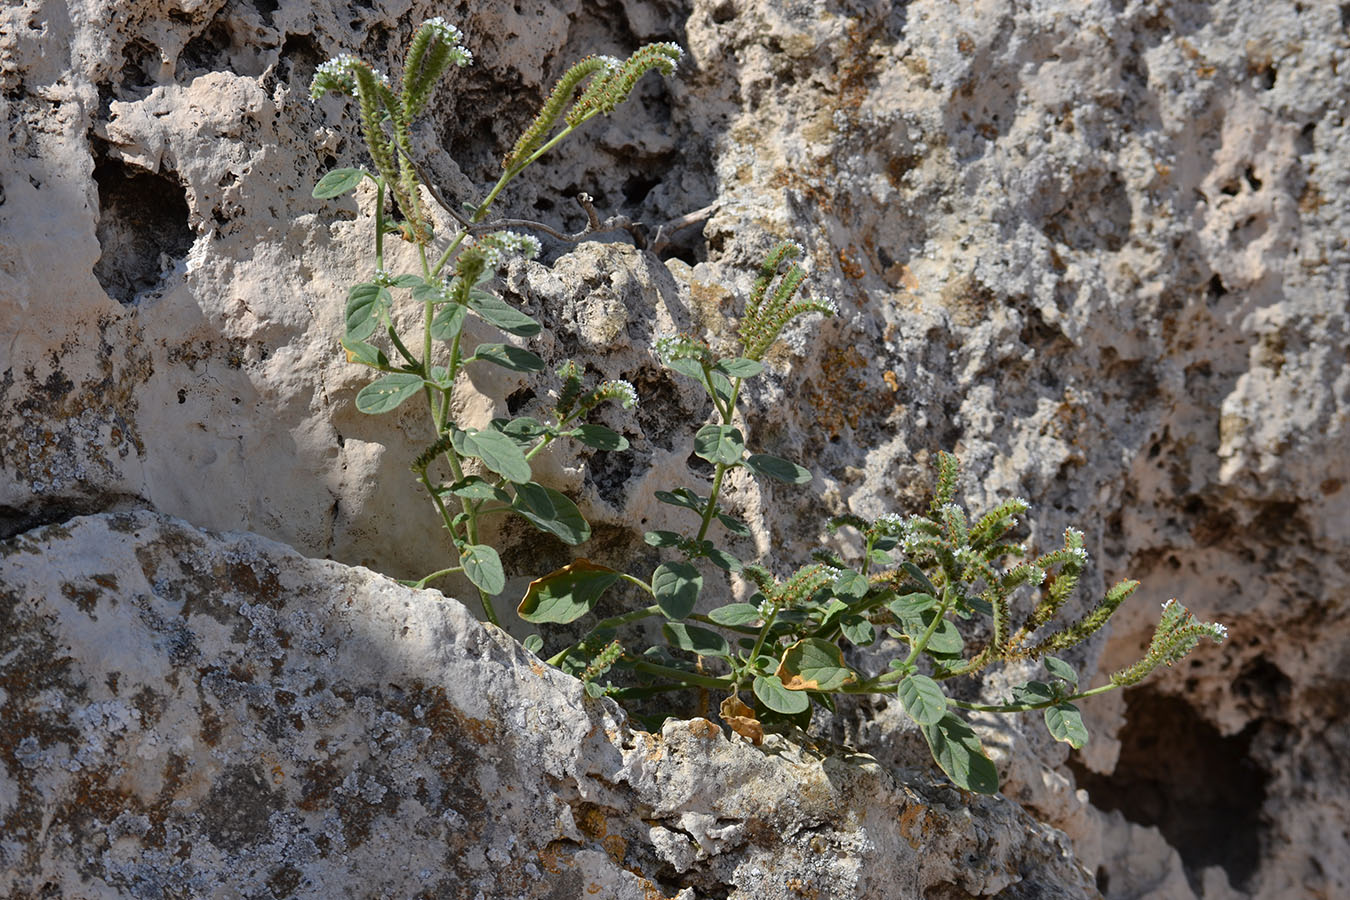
(188, 714)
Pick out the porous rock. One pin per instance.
(192, 714)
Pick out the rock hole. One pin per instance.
(208, 51)
(723, 12)
(637, 187)
(1215, 289)
(1252, 180)
(1231, 189)
(142, 227)
(1176, 772)
(266, 8)
(1345, 16)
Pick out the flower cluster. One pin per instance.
(336, 75)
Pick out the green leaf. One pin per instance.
(475, 488)
(447, 322)
(735, 614)
(662, 538)
(365, 302)
(533, 643)
(923, 699)
(515, 358)
(524, 430)
(365, 354)
(484, 568)
(502, 314)
(1066, 724)
(1060, 668)
(701, 641)
(337, 183)
(676, 586)
(946, 640)
(722, 386)
(858, 630)
(911, 606)
(772, 694)
(387, 392)
(851, 584)
(551, 511)
(813, 664)
(722, 559)
(686, 366)
(719, 444)
(600, 437)
(1033, 692)
(409, 281)
(681, 497)
(497, 451)
(735, 526)
(957, 750)
(739, 367)
(777, 469)
(918, 575)
(566, 594)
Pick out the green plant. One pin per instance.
(489, 468)
(947, 590)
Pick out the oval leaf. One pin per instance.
(851, 584)
(476, 488)
(813, 664)
(388, 392)
(858, 630)
(735, 614)
(740, 367)
(772, 694)
(662, 538)
(735, 526)
(447, 322)
(337, 183)
(681, 497)
(551, 511)
(566, 594)
(1066, 724)
(502, 314)
(600, 437)
(694, 639)
(1060, 668)
(484, 568)
(923, 699)
(957, 750)
(911, 606)
(497, 451)
(777, 468)
(365, 354)
(719, 444)
(364, 304)
(676, 587)
(506, 356)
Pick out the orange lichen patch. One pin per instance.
(914, 824)
(845, 391)
(850, 262)
(538, 668)
(591, 820)
(801, 888)
(892, 380)
(967, 301)
(702, 728)
(555, 857)
(615, 847)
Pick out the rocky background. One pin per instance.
(1098, 249)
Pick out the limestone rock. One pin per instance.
(184, 713)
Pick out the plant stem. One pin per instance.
(948, 596)
(1027, 707)
(612, 622)
(673, 674)
(711, 509)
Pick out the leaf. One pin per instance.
(365, 302)
(701, 641)
(772, 694)
(945, 641)
(502, 314)
(923, 699)
(524, 430)
(1033, 692)
(722, 559)
(686, 366)
(851, 584)
(600, 437)
(739, 367)
(516, 359)
(735, 614)
(484, 568)
(735, 526)
(662, 538)
(719, 444)
(681, 497)
(533, 643)
(386, 393)
(1060, 668)
(448, 322)
(551, 511)
(365, 354)
(409, 281)
(957, 750)
(336, 183)
(911, 606)
(676, 586)
(918, 575)
(476, 488)
(777, 469)
(742, 719)
(1066, 724)
(565, 595)
(813, 664)
(858, 630)
(497, 451)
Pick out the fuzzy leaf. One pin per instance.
(777, 469)
(946, 640)
(911, 606)
(484, 568)
(337, 183)
(740, 367)
(957, 750)
(533, 643)
(476, 488)
(502, 314)
(447, 322)
(600, 437)
(923, 699)
(851, 584)
(516, 359)
(772, 694)
(735, 614)
(701, 641)
(365, 302)
(365, 354)
(662, 538)
(551, 511)
(1066, 724)
(497, 451)
(858, 630)
(1033, 692)
(1061, 669)
(722, 559)
(565, 595)
(813, 664)
(386, 393)
(719, 444)
(676, 587)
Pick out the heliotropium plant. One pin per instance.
(924, 582)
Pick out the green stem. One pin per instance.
(611, 622)
(1027, 707)
(379, 223)
(711, 509)
(421, 583)
(752, 663)
(672, 674)
(948, 596)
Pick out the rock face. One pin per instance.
(1093, 247)
(186, 714)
